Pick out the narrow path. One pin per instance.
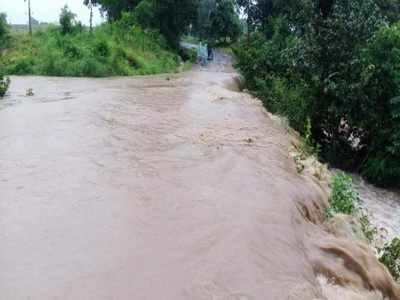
(162, 187)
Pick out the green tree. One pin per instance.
(145, 14)
(329, 60)
(170, 17)
(4, 31)
(114, 8)
(174, 17)
(203, 23)
(225, 24)
(67, 20)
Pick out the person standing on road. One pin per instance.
(202, 54)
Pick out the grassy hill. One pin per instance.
(111, 49)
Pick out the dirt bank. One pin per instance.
(162, 187)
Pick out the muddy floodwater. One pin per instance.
(383, 206)
(172, 187)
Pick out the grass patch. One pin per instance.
(112, 49)
(344, 199)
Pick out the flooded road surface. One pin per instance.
(163, 187)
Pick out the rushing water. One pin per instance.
(170, 187)
(383, 206)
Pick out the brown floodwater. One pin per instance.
(383, 206)
(161, 187)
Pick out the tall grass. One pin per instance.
(112, 49)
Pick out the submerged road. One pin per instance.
(161, 187)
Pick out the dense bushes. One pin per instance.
(4, 40)
(267, 67)
(340, 67)
(390, 257)
(112, 49)
(4, 83)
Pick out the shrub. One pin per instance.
(344, 199)
(4, 84)
(290, 98)
(390, 257)
(267, 67)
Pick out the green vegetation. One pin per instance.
(4, 32)
(336, 63)
(169, 17)
(390, 257)
(4, 84)
(4, 40)
(225, 25)
(141, 37)
(217, 22)
(70, 50)
(344, 199)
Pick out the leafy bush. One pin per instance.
(338, 65)
(390, 257)
(267, 67)
(344, 199)
(4, 84)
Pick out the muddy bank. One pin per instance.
(162, 187)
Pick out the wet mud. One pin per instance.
(163, 187)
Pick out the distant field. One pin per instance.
(22, 28)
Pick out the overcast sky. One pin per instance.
(45, 10)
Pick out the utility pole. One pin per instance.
(91, 15)
(30, 17)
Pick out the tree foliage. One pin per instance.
(67, 20)
(337, 62)
(224, 22)
(114, 8)
(170, 17)
(202, 24)
(4, 31)
(4, 39)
